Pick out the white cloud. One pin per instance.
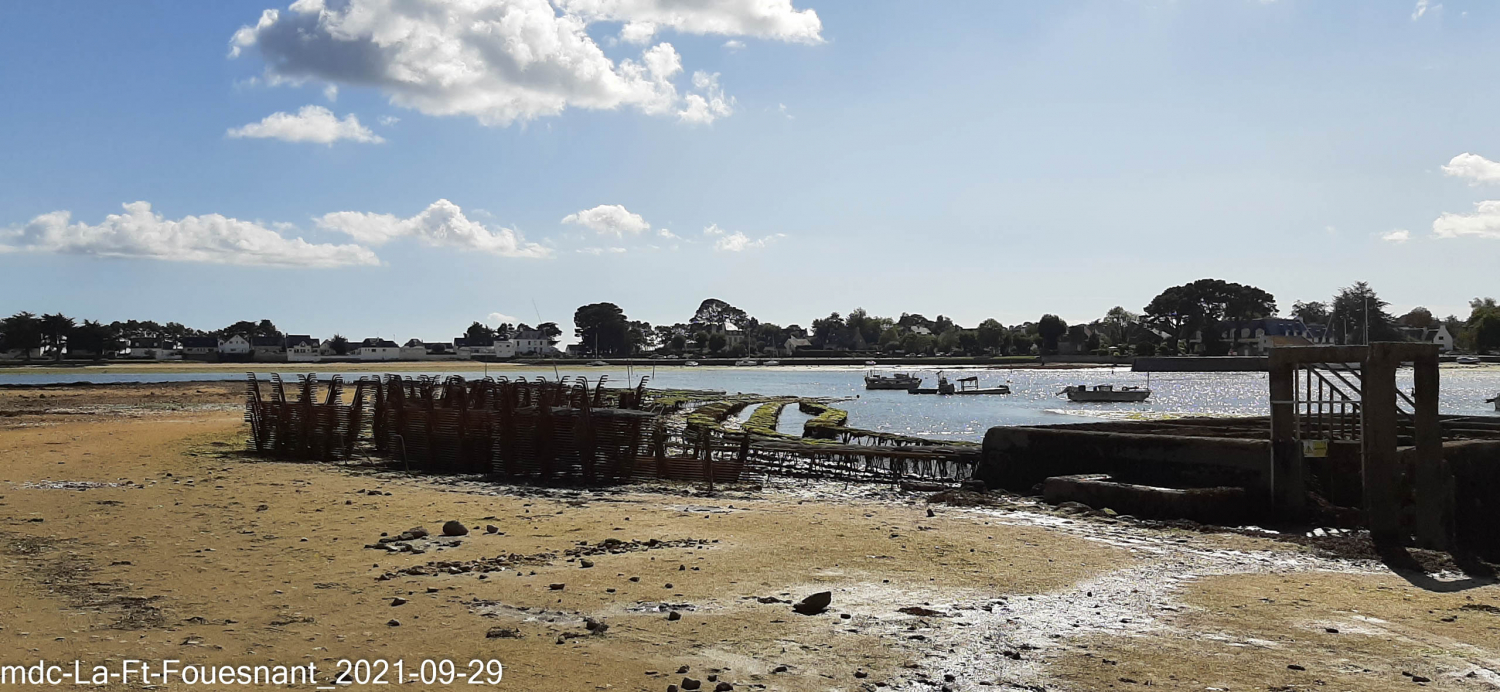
(782, 108)
(331, 92)
(601, 250)
(442, 224)
(1397, 236)
(726, 241)
(609, 219)
(212, 238)
(773, 19)
(1422, 8)
(499, 318)
(311, 124)
(708, 106)
(500, 61)
(668, 234)
(1476, 168)
(1483, 223)
(389, 120)
(734, 44)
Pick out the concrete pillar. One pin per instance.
(1382, 499)
(1434, 482)
(1288, 486)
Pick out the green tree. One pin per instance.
(1351, 308)
(93, 337)
(991, 335)
(1201, 305)
(718, 313)
(479, 332)
(602, 328)
(1117, 324)
(55, 330)
(716, 342)
(1482, 331)
(339, 344)
(830, 332)
(1315, 312)
(1051, 328)
(23, 332)
(1418, 318)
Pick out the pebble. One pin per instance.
(393, 623)
(556, 587)
(585, 564)
(674, 616)
(691, 684)
(398, 601)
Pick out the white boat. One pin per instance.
(691, 363)
(870, 363)
(747, 362)
(772, 362)
(597, 363)
(1106, 393)
(898, 380)
(1468, 360)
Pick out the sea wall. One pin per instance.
(1018, 458)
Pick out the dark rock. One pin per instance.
(671, 688)
(398, 601)
(682, 670)
(930, 513)
(723, 687)
(556, 587)
(393, 623)
(491, 528)
(919, 611)
(861, 674)
(779, 669)
(416, 532)
(1295, 667)
(814, 604)
(455, 528)
(585, 564)
(502, 633)
(691, 684)
(674, 616)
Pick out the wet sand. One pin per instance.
(132, 526)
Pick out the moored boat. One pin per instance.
(597, 363)
(966, 385)
(691, 364)
(1468, 360)
(772, 362)
(898, 380)
(747, 362)
(1106, 393)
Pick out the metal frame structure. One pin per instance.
(1327, 394)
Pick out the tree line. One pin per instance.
(1189, 318)
(57, 334)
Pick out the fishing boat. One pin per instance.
(966, 385)
(1106, 393)
(898, 380)
(772, 362)
(1468, 360)
(870, 363)
(747, 362)
(691, 363)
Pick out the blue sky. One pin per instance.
(976, 159)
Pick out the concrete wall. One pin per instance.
(1017, 458)
(1475, 465)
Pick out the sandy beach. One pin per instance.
(133, 525)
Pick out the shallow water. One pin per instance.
(1033, 401)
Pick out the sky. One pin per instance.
(400, 168)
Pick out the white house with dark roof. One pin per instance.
(301, 348)
(377, 349)
(234, 346)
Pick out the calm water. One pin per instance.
(1033, 399)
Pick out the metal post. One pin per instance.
(1288, 493)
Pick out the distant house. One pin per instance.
(414, 350)
(234, 346)
(150, 349)
(531, 342)
(1255, 337)
(476, 347)
(1319, 334)
(301, 348)
(377, 349)
(1440, 336)
(795, 343)
(200, 347)
(268, 348)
